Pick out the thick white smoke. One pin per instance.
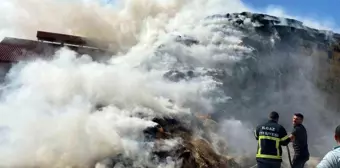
(48, 106)
(48, 115)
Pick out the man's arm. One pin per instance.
(292, 137)
(285, 139)
(328, 161)
(295, 131)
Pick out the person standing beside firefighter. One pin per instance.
(300, 144)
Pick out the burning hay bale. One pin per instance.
(189, 151)
(198, 153)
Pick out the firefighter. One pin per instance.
(271, 136)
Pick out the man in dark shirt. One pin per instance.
(300, 144)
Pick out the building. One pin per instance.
(13, 50)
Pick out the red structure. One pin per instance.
(13, 49)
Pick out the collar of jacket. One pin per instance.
(337, 147)
(273, 121)
(297, 125)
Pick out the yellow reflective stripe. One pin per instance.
(268, 156)
(277, 148)
(270, 137)
(277, 145)
(285, 138)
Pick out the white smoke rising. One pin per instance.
(48, 108)
(236, 133)
(317, 23)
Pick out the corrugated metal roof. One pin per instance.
(13, 50)
(12, 53)
(15, 53)
(20, 42)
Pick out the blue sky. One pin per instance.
(320, 14)
(314, 9)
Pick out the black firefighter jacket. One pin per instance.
(271, 136)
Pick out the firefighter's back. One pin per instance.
(271, 136)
